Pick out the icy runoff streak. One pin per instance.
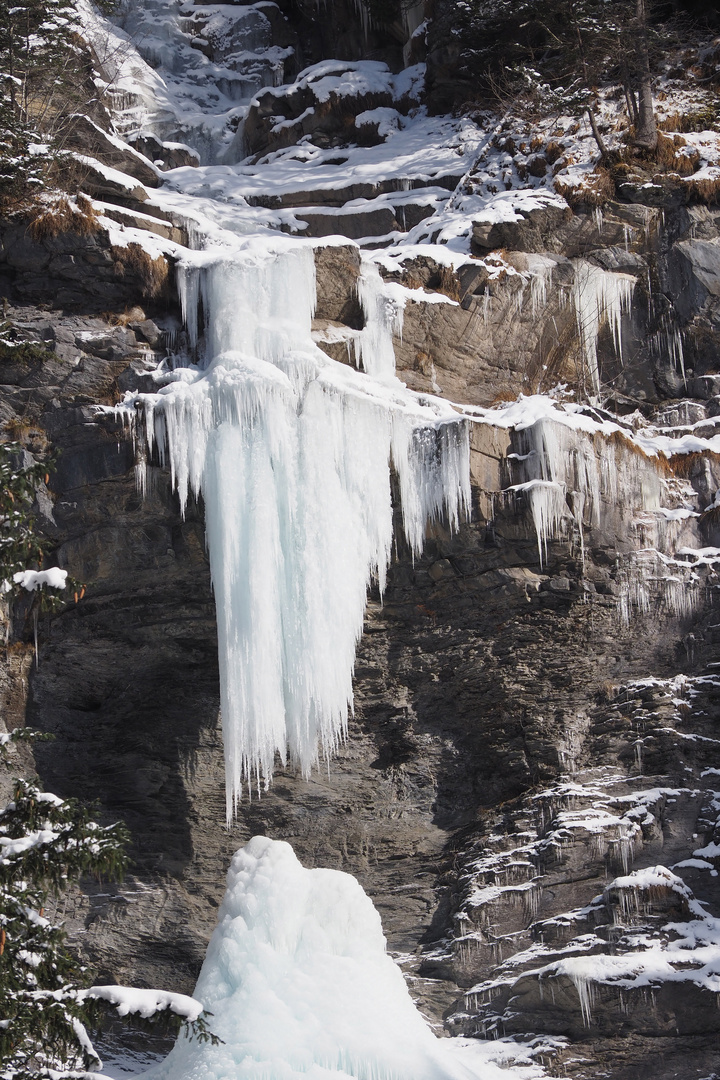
(292, 453)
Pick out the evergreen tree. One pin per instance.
(46, 1006)
(45, 843)
(20, 478)
(43, 60)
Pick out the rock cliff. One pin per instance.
(527, 791)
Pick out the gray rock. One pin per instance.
(87, 137)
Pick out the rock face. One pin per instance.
(509, 763)
(81, 270)
(527, 791)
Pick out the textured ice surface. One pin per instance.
(300, 985)
(292, 452)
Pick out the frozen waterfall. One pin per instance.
(292, 453)
(300, 986)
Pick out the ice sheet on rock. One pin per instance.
(161, 80)
(292, 453)
(564, 451)
(300, 985)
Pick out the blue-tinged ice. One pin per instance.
(292, 453)
(300, 985)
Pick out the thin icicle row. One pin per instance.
(600, 297)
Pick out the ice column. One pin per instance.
(600, 296)
(292, 454)
(300, 986)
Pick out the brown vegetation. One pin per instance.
(597, 189)
(22, 430)
(676, 156)
(448, 283)
(705, 189)
(52, 219)
(134, 314)
(683, 465)
(134, 261)
(702, 120)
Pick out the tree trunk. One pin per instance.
(596, 131)
(646, 135)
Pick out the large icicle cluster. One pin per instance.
(292, 453)
(300, 986)
(569, 471)
(600, 297)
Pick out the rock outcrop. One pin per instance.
(527, 791)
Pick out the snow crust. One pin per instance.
(300, 985)
(129, 1000)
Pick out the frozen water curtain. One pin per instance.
(293, 452)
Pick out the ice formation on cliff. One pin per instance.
(300, 986)
(292, 452)
(600, 296)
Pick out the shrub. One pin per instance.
(63, 215)
(152, 274)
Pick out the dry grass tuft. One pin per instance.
(684, 465)
(124, 318)
(659, 462)
(553, 152)
(596, 190)
(676, 156)
(134, 261)
(704, 189)
(448, 283)
(702, 120)
(23, 431)
(62, 216)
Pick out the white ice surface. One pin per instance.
(292, 453)
(300, 987)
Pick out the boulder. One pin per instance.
(86, 137)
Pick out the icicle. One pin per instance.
(292, 454)
(486, 304)
(383, 318)
(548, 508)
(668, 343)
(541, 278)
(600, 297)
(188, 281)
(586, 994)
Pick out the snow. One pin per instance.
(300, 985)
(424, 149)
(129, 1000)
(362, 78)
(54, 578)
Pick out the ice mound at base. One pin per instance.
(300, 985)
